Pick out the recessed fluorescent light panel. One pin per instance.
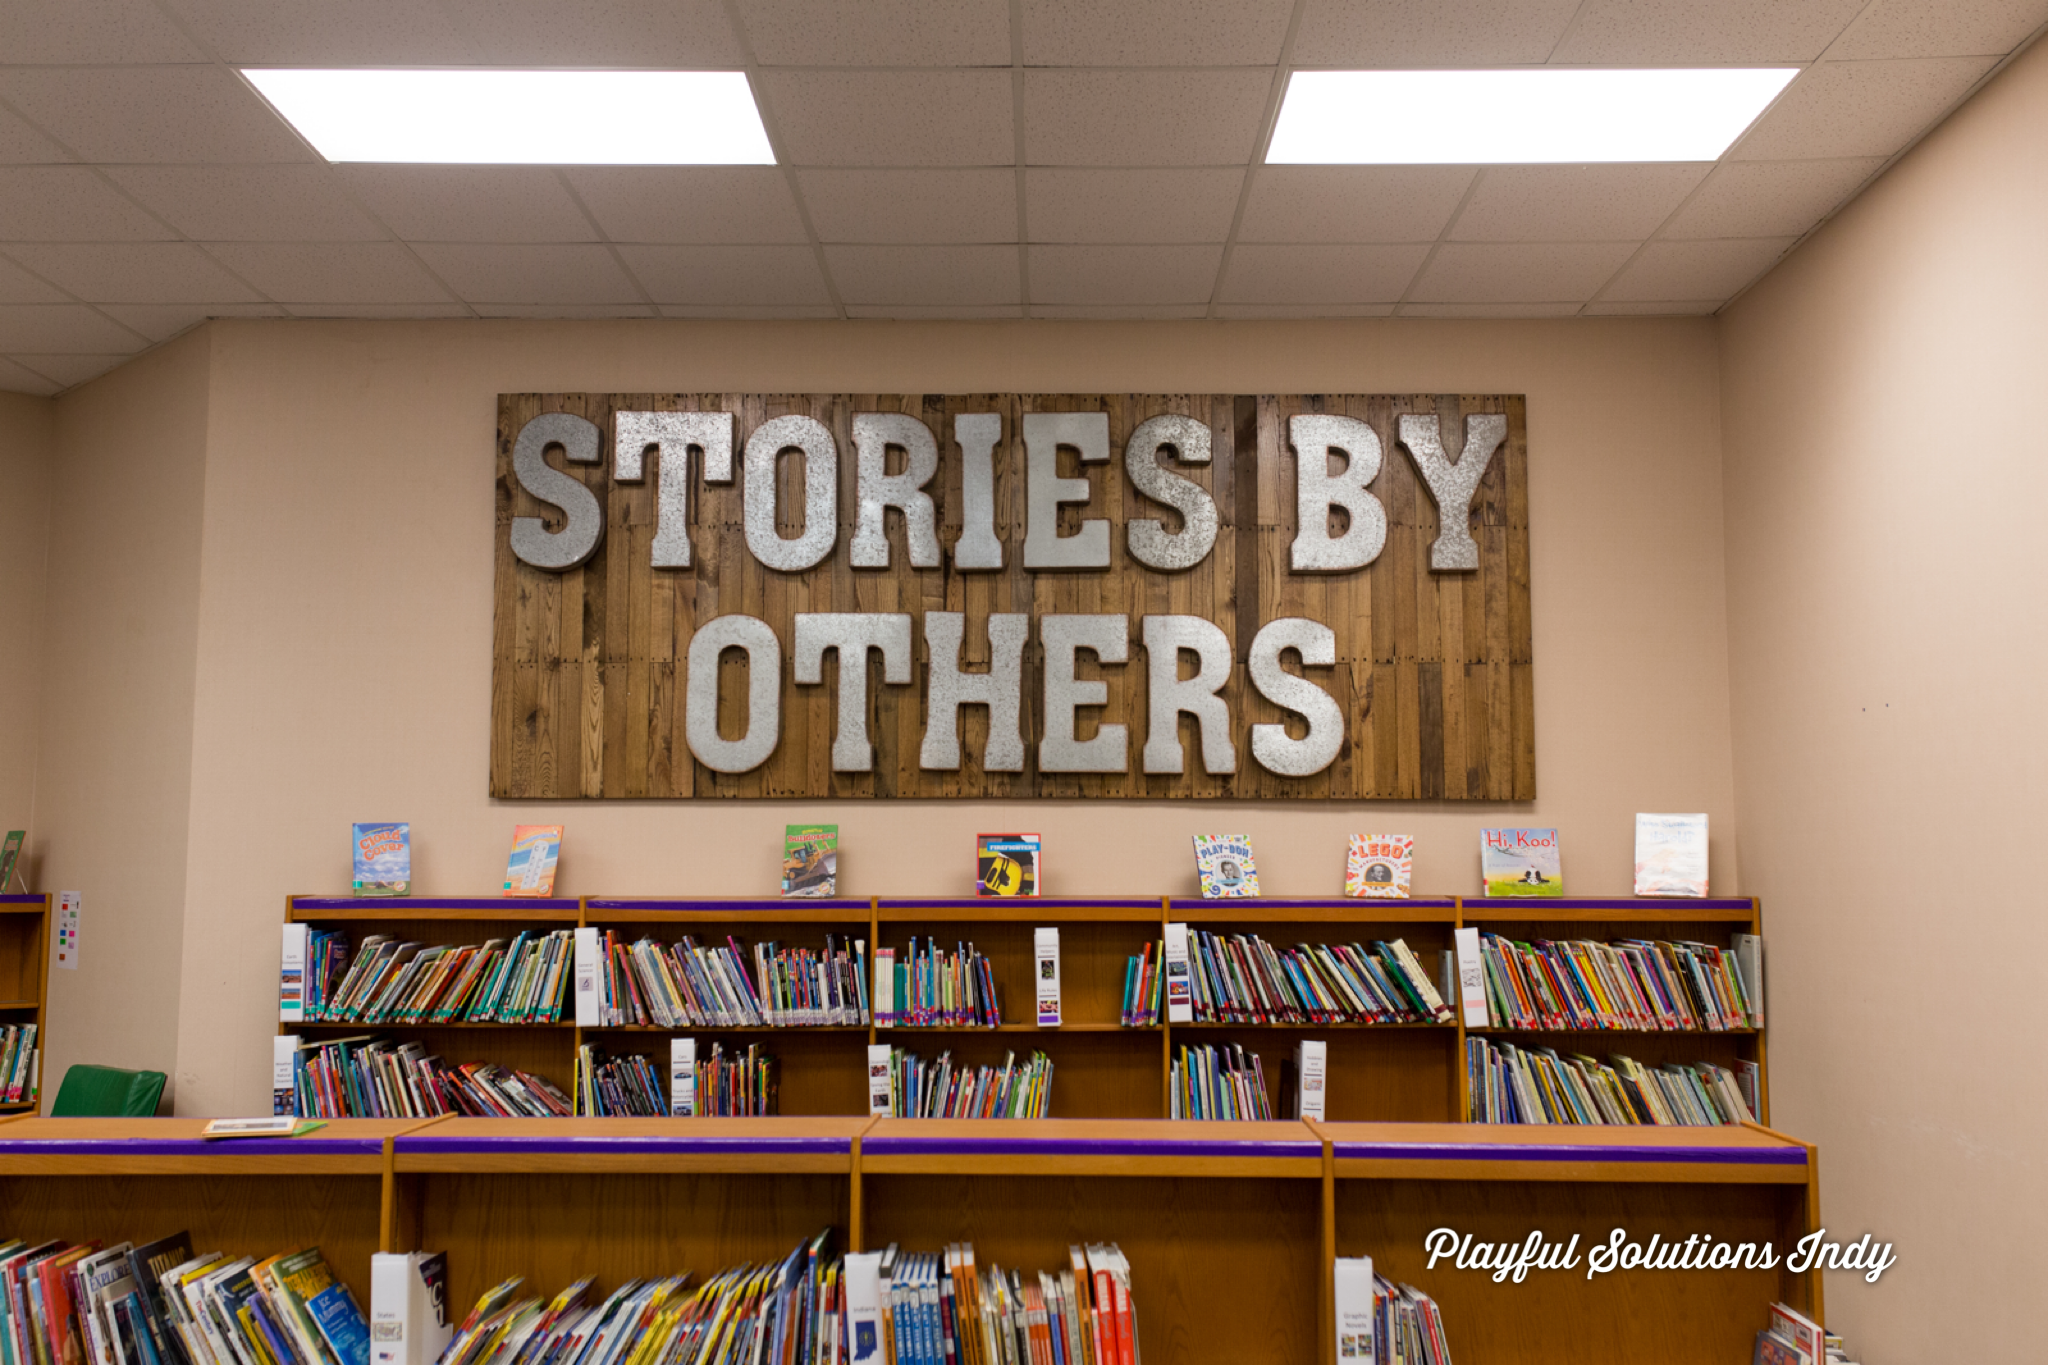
(546, 118)
(1549, 114)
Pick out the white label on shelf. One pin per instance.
(69, 904)
(1353, 1301)
(879, 1079)
(1310, 1067)
(682, 1078)
(1180, 999)
(1047, 943)
(589, 1000)
(1471, 977)
(284, 1052)
(291, 974)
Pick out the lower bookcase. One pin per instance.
(1230, 1228)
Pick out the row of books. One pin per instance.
(523, 980)
(21, 1063)
(1639, 984)
(1792, 1338)
(938, 1308)
(716, 1085)
(685, 985)
(1537, 1085)
(918, 1089)
(159, 1304)
(1380, 1322)
(1242, 979)
(371, 1077)
(930, 987)
(1219, 1082)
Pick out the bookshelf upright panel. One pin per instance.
(25, 980)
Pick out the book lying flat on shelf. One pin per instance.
(1225, 864)
(530, 870)
(1007, 864)
(383, 859)
(276, 1127)
(1520, 862)
(1671, 855)
(810, 861)
(1378, 866)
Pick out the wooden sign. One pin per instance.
(1327, 637)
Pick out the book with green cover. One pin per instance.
(1520, 862)
(9, 853)
(810, 861)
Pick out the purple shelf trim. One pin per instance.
(1317, 902)
(37, 899)
(626, 1146)
(1038, 902)
(1020, 1146)
(849, 905)
(306, 1146)
(1543, 1151)
(1659, 904)
(436, 902)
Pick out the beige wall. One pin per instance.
(1887, 463)
(345, 613)
(114, 778)
(28, 448)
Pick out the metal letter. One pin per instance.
(1001, 690)
(1170, 694)
(852, 634)
(1045, 490)
(821, 492)
(875, 489)
(1452, 485)
(1316, 491)
(583, 516)
(1149, 542)
(1109, 638)
(977, 434)
(670, 435)
(764, 694)
(1317, 645)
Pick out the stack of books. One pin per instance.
(941, 1090)
(685, 985)
(1537, 1085)
(1242, 979)
(1633, 984)
(1795, 1339)
(21, 1064)
(1223, 1082)
(521, 980)
(940, 1309)
(740, 1086)
(371, 1077)
(928, 987)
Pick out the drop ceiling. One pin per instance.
(937, 159)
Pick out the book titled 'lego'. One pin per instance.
(1224, 863)
(1006, 864)
(1520, 862)
(530, 871)
(383, 858)
(810, 861)
(1671, 855)
(1379, 866)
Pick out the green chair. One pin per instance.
(107, 1092)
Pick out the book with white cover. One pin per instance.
(863, 1273)
(284, 1079)
(880, 1079)
(1354, 1307)
(1749, 960)
(1671, 855)
(1471, 977)
(589, 999)
(1045, 942)
(1311, 1068)
(682, 1078)
(1180, 998)
(291, 976)
(408, 1307)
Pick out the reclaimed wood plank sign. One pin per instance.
(1012, 595)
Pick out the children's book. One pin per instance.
(1378, 866)
(383, 855)
(1224, 862)
(530, 871)
(9, 853)
(1006, 864)
(810, 860)
(1671, 855)
(1520, 862)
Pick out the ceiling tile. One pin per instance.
(1859, 108)
(878, 32)
(905, 312)
(1304, 310)
(70, 203)
(1154, 32)
(1703, 32)
(1697, 270)
(23, 145)
(152, 113)
(1574, 203)
(67, 31)
(1555, 272)
(329, 33)
(412, 312)
(1769, 198)
(748, 312)
(1319, 274)
(1352, 203)
(162, 321)
(1076, 205)
(1489, 310)
(671, 34)
(1119, 275)
(892, 118)
(133, 272)
(62, 329)
(1149, 312)
(1142, 118)
(497, 273)
(18, 286)
(68, 370)
(470, 203)
(250, 203)
(1940, 28)
(339, 272)
(1404, 34)
(15, 379)
(1616, 308)
(689, 203)
(942, 276)
(578, 311)
(973, 205)
(728, 275)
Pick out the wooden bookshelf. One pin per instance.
(25, 976)
(1230, 1228)
(1408, 1073)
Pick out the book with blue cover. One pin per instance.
(383, 858)
(530, 870)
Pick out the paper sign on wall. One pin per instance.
(69, 904)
